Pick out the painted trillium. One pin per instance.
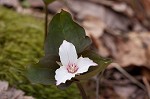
(71, 64)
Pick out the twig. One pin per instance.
(131, 78)
(46, 20)
(147, 86)
(97, 86)
(98, 78)
(82, 92)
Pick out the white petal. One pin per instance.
(67, 53)
(62, 75)
(84, 64)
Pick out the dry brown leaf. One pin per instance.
(94, 26)
(125, 91)
(11, 93)
(113, 20)
(133, 49)
(28, 97)
(36, 3)
(56, 6)
(131, 52)
(3, 86)
(10, 3)
(117, 6)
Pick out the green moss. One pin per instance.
(21, 43)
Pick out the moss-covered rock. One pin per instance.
(21, 43)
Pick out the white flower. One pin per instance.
(71, 64)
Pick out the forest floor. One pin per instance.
(120, 31)
(21, 43)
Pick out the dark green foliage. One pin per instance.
(62, 27)
(43, 72)
(21, 43)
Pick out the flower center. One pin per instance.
(72, 68)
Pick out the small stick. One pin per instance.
(98, 78)
(147, 86)
(97, 86)
(46, 20)
(131, 78)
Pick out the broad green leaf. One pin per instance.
(43, 72)
(49, 61)
(93, 70)
(37, 74)
(62, 27)
(48, 1)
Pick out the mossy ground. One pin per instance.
(21, 43)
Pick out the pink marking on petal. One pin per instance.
(72, 68)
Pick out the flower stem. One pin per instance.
(46, 20)
(82, 92)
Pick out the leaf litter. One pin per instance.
(119, 30)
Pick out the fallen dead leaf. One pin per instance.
(130, 49)
(112, 19)
(10, 3)
(11, 93)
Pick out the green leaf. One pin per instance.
(49, 61)
(93, 70)
(37, 74)
(43, 72)
(48, 1)
(62, 27)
